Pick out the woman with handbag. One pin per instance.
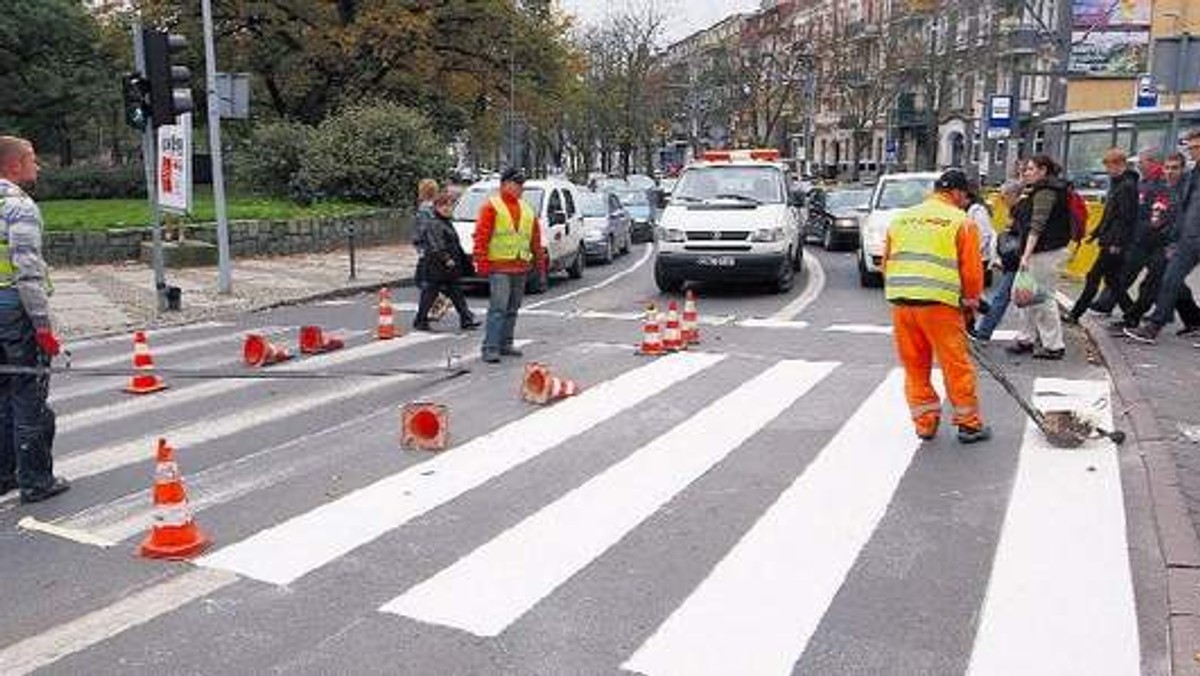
(442, 264)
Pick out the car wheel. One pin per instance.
(576, 269)
(829, 241)
(665, 282)
(785, 278)
(610, 250)
(798, 258)
(866, 278)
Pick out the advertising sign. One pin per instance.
(1102, 14)
(175, 165)
(1114, 53)
(1000, 116)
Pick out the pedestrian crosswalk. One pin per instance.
(611, 464)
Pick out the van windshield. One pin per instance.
(757, 184)
(903, 193)
(468, 206)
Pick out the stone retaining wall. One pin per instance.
(246, 238)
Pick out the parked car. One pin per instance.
(606, 226)
(893, 193)
(834, 216)
(641, 213)
(556, 203)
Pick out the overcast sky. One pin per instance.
(684, 16)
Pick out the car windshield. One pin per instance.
(753, 184)
(903, 193)
(593, 205)
(640, 181)
(632, 198)
(848, 199)
(472, 201)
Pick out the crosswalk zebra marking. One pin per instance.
(126, 337)
(759, 607)
(175, 348)
(288, 551)
(487, 590)
(1060, 599)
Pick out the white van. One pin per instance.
(556, 202)
(893, 194)
(730, 220)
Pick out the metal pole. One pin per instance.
(1173, 139)
(149, 155)
(224, 281)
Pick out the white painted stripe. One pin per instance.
(813, 289)
(771, 323)
(646, 254)
(621, 316)
(760, 606)
(487, 590)
(869, 329)
(175, 348)
(1005, 335)
(127, 337)
(1060, 598)
(286, 552)
(137, 406)
(83, 537)
(133, 610)
(478, 310)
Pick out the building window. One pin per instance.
(1039, 142)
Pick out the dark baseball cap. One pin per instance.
(952, 179)
(512, 174)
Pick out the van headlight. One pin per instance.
(767, 235)
(845, 223)
(671, 234)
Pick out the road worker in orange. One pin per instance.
(933, 273)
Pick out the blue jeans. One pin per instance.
(506, 292)
(26, 422)
(999, 305)
(1180, 265)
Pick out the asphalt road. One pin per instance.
(758, 505)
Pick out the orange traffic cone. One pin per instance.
(174, 534)
(424, 426)
(673, 336)
(651, 337)
(691, 320)
(314, 341)
(258, 351)
(539, 387)
(145, 381)
(387, 319)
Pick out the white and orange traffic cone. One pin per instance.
(540, 387)
(174, 535)
(673, 335)
(258, 351)
(145, 381)
(651, 334)
(314, 341)
(387, 317)
(424, 426)
(690, 324)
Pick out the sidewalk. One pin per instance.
(97, 299)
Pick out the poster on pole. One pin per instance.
(175, 165)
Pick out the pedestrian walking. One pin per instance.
(1151, 188)
(981, 216)
(932, 271)
(1113, 236)
(442, 264)
(1044, 220)
(427, 190)
(1007, 261)
(508, 244)
(1183, 254)
(26, 335)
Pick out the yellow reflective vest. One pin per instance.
(8, 271)
(510, 243)
(922, 262)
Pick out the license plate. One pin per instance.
(715, 261)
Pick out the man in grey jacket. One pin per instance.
(26, 336)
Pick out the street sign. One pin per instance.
(1145, 96)
(999, 116)
(233, 92)
(175, 165)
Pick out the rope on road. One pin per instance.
(446, 372)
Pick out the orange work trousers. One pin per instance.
(923, 332)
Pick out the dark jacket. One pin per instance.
(1054, 231)
(1187, 224)
(1154, 231)
(1119, 222)
(442, 255)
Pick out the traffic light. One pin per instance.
(137, 100)
(170, 89)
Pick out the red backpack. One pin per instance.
(1079, 214)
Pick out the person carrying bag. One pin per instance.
(442, 264)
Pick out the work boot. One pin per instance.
(973, 435)
(59, 485)
(927, 429)
(491, 356)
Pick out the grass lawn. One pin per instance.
(108, 214)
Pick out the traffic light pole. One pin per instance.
(149, 155)
(224, 281)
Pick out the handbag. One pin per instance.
(1008, 248)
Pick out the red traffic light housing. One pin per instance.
(169, 83)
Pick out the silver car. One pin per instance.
(606, 226)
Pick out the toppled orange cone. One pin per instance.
(690, 320)
(651, 334)
(145, 381)
(258, 351)
(387, 317)
(424, 426)
(540, 387)
(174, 534)
(314, 341)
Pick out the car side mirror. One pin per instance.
(558, 218)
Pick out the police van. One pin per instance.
(731, 217)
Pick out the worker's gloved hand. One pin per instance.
(48, 342)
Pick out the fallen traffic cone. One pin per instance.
(387, 319)
(651, 337)
(258, 351)
(145, 381)
(691, 320)
(673, 336)
(314, 341)
(540, 387)
(174, 535)
(424, 426)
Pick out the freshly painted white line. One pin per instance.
(83, 537)
(175, 348)
(136, 406)
(127, 337)
(487, 590)
(759, 607)
(816, 284)
(621, 316)
(770, 323)
(1060, 598)
(84, 632)
(649, 251)
(877, 329)
(1005, 335)
(284, 553)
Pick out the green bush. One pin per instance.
(82, 182)
(268, 162)
(371, 153)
